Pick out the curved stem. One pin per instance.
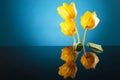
(76, 57)
(78, 36)
(83, 40)
(74, 40)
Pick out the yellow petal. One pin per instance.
(62, 12)
(97, 20)
(83, 22)
(67, 8)
(73, 10)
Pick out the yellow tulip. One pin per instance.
(67, 11)
(68, 70)
(90, 60)
(89, 20)
(68, 28)
(68, 54)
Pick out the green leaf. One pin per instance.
(95, 47)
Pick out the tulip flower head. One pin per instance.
(67, 11)
(68, 28)
(89, 20)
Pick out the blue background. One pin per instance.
(36, 22)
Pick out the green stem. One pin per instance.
(74, 40)
(78, 36)
(83, 40)
(76, 57)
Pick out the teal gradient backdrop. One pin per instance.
(36, 22)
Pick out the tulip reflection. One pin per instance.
(68, 54)
(69, 69)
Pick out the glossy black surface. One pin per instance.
(41, 63)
